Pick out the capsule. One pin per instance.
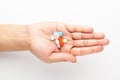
(58, 33)
(57, 43)
(61, 41)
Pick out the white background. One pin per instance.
(102, 15)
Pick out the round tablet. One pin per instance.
(52, 38)
(64, 40)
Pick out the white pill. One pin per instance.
(52, 38)
(64, 40)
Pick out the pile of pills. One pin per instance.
(57, 37)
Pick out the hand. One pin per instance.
(81, 40)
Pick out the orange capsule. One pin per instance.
(61, 41)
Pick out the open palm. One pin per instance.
(81, 40)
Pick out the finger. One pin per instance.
(85, 50)
(61, 57)
(86, 43)
(87, 36)
(77, 28)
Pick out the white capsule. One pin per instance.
(57, 43)
(64, 40)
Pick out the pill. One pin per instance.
(64, 40)
(59, 33)
(57, 43)
(61, 41)
(52, 38)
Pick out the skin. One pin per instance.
(81, 40)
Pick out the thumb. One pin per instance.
(61, 57)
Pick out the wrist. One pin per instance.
(24, 38)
